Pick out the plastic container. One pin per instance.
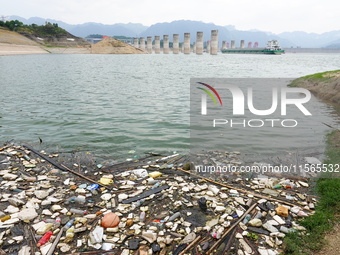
(44, 229)
(6, 217)
(216, 235)
(27, 157)
(174, 216)
(45, 238)
(155, 174)
(56, 223)
(78, 212)
(80, 200)
(139, 202)
(258, 215)
(156, 185)
(246, 219)
(49, 221)
(68, 224)
(105, 181)
(69, 235)
(249, 202)
(142, 217)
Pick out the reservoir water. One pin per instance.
(112, 104)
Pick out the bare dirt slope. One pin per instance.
(113, 46)
(326, 87)
(332, 246)
(11, 37)
(12, 43)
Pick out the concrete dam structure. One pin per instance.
(199, 46)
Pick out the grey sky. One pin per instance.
(266, 15)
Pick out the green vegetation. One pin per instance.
(94, 36)
(122, 37)
(48, 29)
(327, 210)
(327, 187)
(316, 77)
(323, 75)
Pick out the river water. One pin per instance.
(115, 104)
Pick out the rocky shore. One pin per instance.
(325, 86)
(51, 203)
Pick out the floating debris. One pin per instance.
(156, 205)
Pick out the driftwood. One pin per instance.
(243, 190)
(62, 167)
(217, 244)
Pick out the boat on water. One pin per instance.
(272, 48)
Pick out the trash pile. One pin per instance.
(153, 206)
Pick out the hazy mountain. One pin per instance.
(184, 26)
(83, 30)
(334, 45)
(225, 33)
(41, 21)
(312, 40)
(229, 32)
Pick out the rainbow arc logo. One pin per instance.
(209, 90)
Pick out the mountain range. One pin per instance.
(287, 39)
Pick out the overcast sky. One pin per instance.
(266, 15)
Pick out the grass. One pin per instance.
(327, 211)
(324, 76)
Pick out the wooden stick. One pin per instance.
(190, 245)
(231, 239)
(63, 168)
(243, 190)
(230, 229)
(56, 241)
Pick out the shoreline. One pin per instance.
(193, 207)
(324, 222)
(7, 49)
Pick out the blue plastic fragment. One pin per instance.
(93, 186)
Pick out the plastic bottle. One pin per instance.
(246, 219)
(78, 212)
(216, 235)
(78, 230)
(174, 216)
(258, 215)
(142, 216)
(68, 224)
(6, 217)
(27, 157)
(44, 229)
(49, 221)
(80, 200)
(156, 185)
(249, 202)
(93, 188)
(56, 223)
(69, 235)
(139, 202)
(45, 238)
